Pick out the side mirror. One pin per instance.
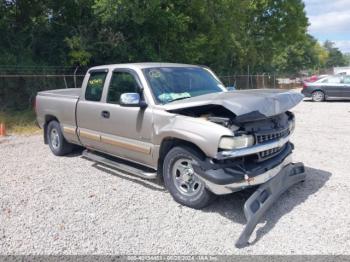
(132, 99)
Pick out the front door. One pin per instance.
(126, 132)
(333, 86)
(346, 86)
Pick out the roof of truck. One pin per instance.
(141, 65)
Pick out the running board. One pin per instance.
(121, 165)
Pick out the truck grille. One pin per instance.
(264, 137)
(269, 153)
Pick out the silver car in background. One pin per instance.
(333, 86)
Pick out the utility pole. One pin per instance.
(248, 78)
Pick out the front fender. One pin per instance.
(204, 134)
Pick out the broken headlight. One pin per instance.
(235, 142)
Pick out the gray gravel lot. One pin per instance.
(69, 205)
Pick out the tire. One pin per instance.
(318, 96)
(181, 181)
(57, 143)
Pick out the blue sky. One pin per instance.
(330, 20)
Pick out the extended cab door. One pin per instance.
(89, 107)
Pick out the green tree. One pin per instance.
(347, 58)
(227, 35)
(335, 57)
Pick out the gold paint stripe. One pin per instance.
(90, 135)
(69, 130)
(126, 145)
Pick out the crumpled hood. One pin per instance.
(268, 102)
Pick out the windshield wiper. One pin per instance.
(179, 98)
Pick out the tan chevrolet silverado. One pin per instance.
(180, 123)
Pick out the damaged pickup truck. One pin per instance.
(179, 122)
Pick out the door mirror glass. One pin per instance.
(130, 99)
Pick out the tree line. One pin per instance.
(227, 35)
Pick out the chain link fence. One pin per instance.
(261, 81)
(18, 91)
(19, 85)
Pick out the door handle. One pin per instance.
(105, 114)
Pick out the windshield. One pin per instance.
(174, 83)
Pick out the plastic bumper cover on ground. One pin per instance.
(262, 199)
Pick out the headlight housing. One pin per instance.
(236, 142)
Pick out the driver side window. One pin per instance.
(334, 80)
(121, 82)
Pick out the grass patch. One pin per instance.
(19, 122)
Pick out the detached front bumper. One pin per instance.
(274, 176)
(263, 198)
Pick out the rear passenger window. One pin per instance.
(121, 82)
(94, 86)
(346, 80)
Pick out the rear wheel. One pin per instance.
(318, 96)
(182, 182)
(57, 143)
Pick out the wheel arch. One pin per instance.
(170, 142)
(318, 89)
(48, 119)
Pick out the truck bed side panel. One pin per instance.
(68, 92)
(62, 106)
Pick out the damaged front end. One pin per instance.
(266, 162)
(258, 153)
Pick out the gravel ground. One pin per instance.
(69, 205)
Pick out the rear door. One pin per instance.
(89, 109)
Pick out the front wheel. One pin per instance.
(182, 182)
(318, 96)
(57, 143)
